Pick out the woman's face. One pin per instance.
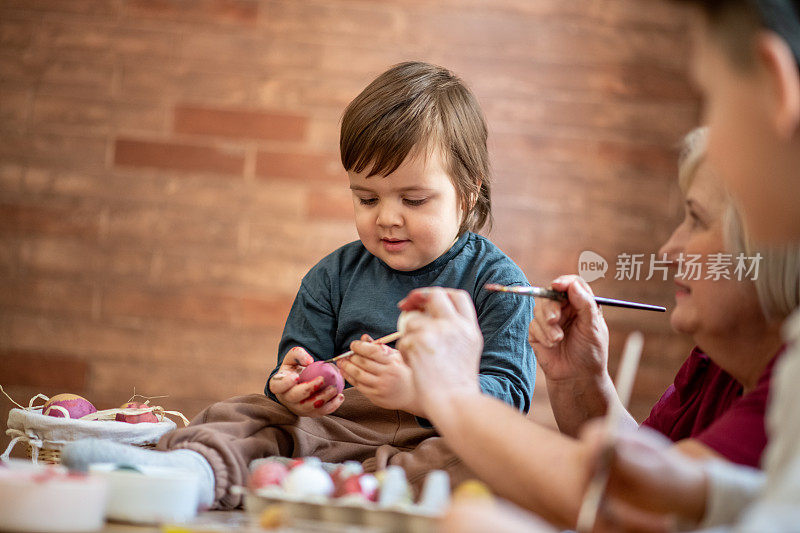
(707, 307)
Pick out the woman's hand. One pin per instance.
(380, 373)
(648, 476)
(443, 346)
(303, 399)
(570, 338)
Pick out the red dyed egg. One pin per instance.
(329, 372)
(76, 406)
(266, 474)
(135, 419)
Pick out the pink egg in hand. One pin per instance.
(329, 372)
(266, 474)
(135, 419)
(74, 405)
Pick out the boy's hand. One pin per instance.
(380, 373)
(303, 399)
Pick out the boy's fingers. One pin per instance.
(357, 376)
(298, 356)
(367, 364)
(369, 350)
(301, 391)
(281, 382)
(332, 405)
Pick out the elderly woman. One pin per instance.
(714, 408)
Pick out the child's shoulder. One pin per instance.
(342, 260)
(491, 261)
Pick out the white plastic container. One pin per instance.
(149, 495)
(48, 499)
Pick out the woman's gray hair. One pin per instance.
(777, 280)
(692, 153)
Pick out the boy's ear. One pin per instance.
(783, 75)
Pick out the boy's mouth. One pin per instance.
(394, 245)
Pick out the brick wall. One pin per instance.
(169, 170)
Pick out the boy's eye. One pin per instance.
(368, 201)
(414, 201)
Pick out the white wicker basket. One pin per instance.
(45, 435)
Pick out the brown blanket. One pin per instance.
(232, 433)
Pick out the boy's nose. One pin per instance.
(389, 216)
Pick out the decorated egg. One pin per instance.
(68, 406)
(135, 419)
(268, 474)
(308, 480)
(329, 372)
(360, 486)
(394, 486)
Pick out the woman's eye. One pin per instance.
(414, 202)
(368, 201)
(695, 220)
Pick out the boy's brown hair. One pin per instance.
(410, 109)
(735, 22)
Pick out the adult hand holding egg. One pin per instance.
(442, 344)
(310, 398)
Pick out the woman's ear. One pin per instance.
(778, 61)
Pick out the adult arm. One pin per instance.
(443, 348)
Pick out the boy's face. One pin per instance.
(744, 145)
(410, 217)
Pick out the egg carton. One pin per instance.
(397, 513)
(330, 515)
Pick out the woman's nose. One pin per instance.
(673, 247)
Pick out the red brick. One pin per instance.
(49, 220)
(41, 294)
(64, 151)
(304, 167)
(83, 260)
(84, 7)
(307, 242)
(43, 370)
(242, 12)
(190, 306)
(174, 156)
(330, 204)
(240, 124)
(92, 340)
(91, 115)
(141, 225)
(264, 311)
(15, 107)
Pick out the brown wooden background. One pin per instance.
(169, 170)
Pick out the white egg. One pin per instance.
(308, 480)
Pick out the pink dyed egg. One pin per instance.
(266, 474)
(329, 372)
(76, 406)
(135, 419)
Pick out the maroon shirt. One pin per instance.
(705, 403)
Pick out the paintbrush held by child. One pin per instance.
(414, 146)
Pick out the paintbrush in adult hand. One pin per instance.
(550, 294)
